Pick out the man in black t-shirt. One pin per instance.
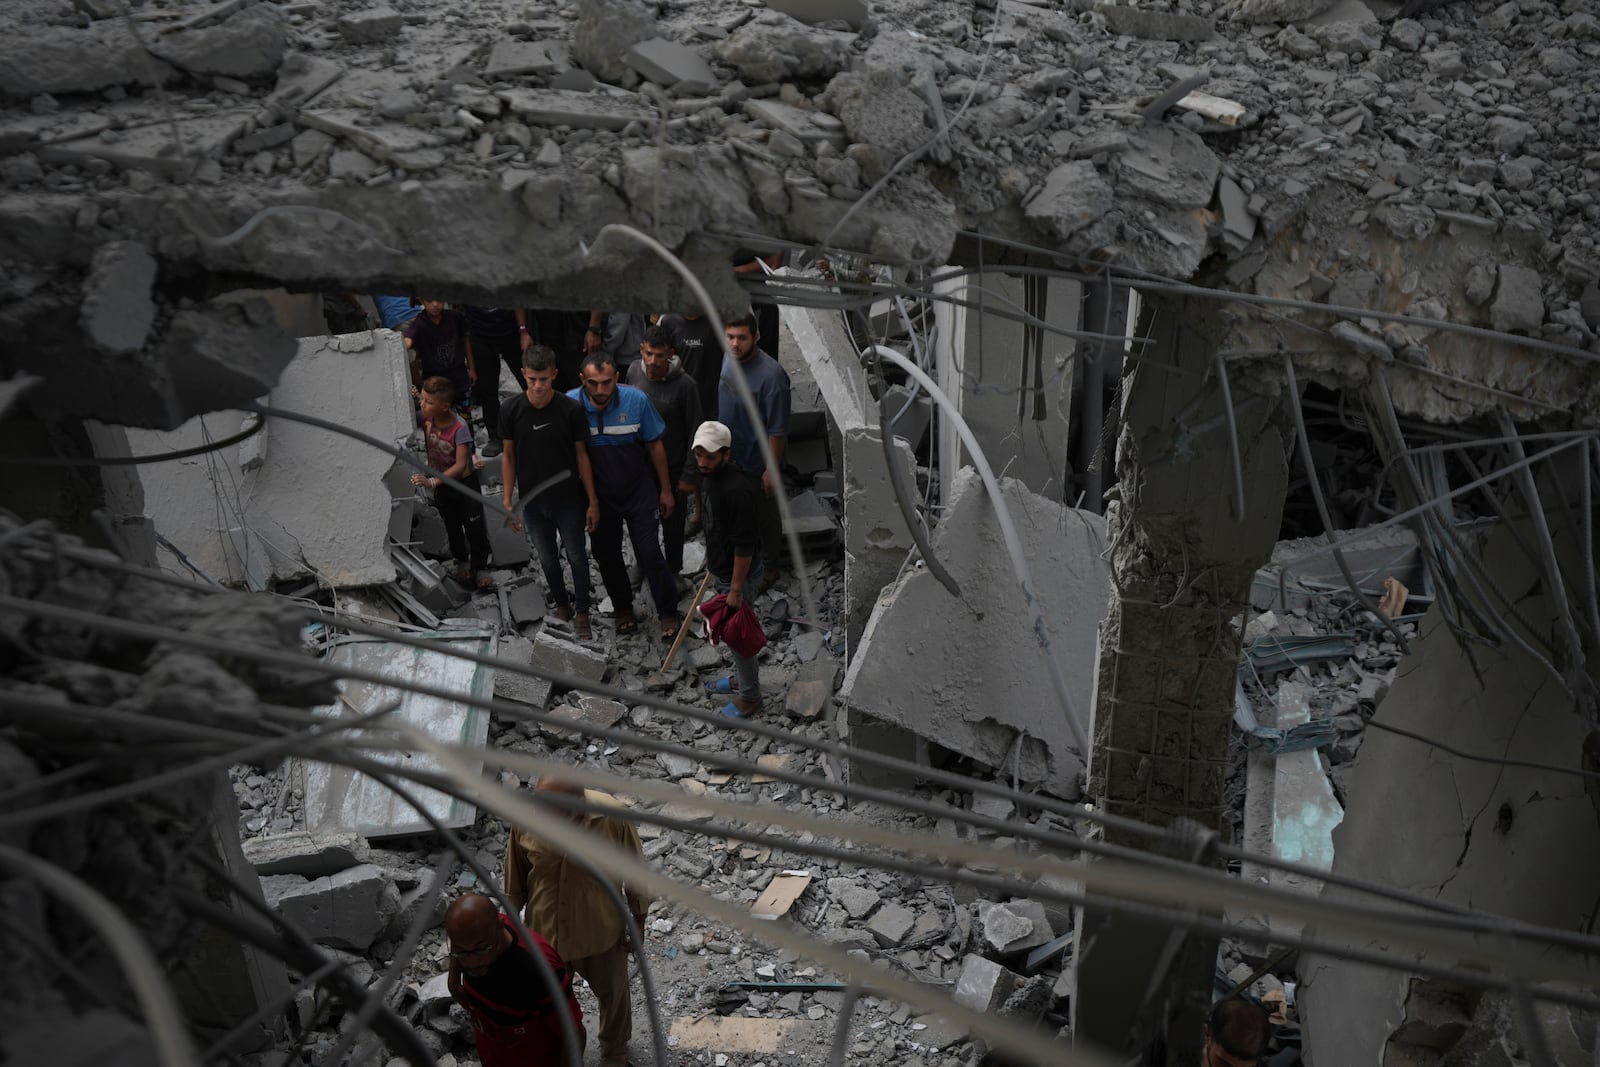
(699, 349)
(545, 436)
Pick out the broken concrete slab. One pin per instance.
(1169, 165)
(1074, 195)
(785, 51)
(1518, 304)
(562, 107)
(890, 924)
(349, 909)
(337, 798)
(507, 548)
(404, 146)
(57, 59)
(523, 688)
(117, 309)
(604, 32)
(150, 147)
(672, 65)
(798, 122)
(553, 653)
(983, 985)
(812, 12)
(510, 58)
(305, 854)
(248, 45)
(977, 692)
(335, 529)
(526, 603)
(1513, 841)
(1016, 927)
(301, 78)
(591, 711)
(372, 24)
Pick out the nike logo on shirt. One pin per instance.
(540, 425)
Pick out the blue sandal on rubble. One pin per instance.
(722, 686)
(731, 710)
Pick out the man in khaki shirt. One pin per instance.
(564, 904)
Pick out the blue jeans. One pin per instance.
(542, 524)
(745, 670)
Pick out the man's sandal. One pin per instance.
(722, 686)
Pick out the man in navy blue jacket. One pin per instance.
(630, 478)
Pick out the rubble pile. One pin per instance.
(357, 897)
(1150, 139)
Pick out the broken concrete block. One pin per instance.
(506, 547)
(249, 45)
(814, 11)
(604, 32)
(510, 58)
(859, 901)
(373, 24)
(1518, 305)
(55, 59)
(1002, 927)
(787, 51)
(677, 766)
(810, 692)
(890, 925)
(349, 909)
(413, 901)
(807, 644)
(669, 64)
(117, 308)
(1074, 195)
(937, 1033)
(563, 107)
(305, 854)
(1169, 165)
(552, 653)
(434, 990)
(1236, 217)
(983, 985)
(1022, 921)
(591, 711)
(526, 603)
(912, 670)
(523, 688)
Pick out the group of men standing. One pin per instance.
(607, 456)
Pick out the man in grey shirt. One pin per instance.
(676, 397)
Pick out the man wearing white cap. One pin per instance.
(733, 549)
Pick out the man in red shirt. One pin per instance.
(494, 976)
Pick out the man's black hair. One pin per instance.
(539, 358)
(1241, 1027)
(659, 336)
(597, 359)
(747, 320)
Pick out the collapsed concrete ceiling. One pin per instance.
(1443, 167)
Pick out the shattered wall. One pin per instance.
(968, 672)
(294, 500)
(1012, 380)
(1515, 841)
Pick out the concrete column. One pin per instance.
(875, 537)
(1182, 562)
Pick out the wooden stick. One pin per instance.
(683, 627)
